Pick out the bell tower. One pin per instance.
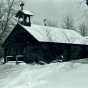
(24, 17)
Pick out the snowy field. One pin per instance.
(56, 75)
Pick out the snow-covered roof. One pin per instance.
(49, 34)
(20, 12)
(52, 34)
(27, 12)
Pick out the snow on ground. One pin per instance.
(56, 75)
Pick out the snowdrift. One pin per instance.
(55, 75)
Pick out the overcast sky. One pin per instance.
(56, 10)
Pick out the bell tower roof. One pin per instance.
(24, 11)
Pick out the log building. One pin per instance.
(35, 43)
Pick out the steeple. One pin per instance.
(24, 17)
(22, 5)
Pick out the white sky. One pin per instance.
(56, 10)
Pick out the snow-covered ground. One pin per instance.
(72, 74)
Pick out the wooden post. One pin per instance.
(16, 60)
(6, 59)
(4, 56)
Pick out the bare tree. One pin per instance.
(83, 29)
(68, 23)
(49, 22)
(7, 10)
